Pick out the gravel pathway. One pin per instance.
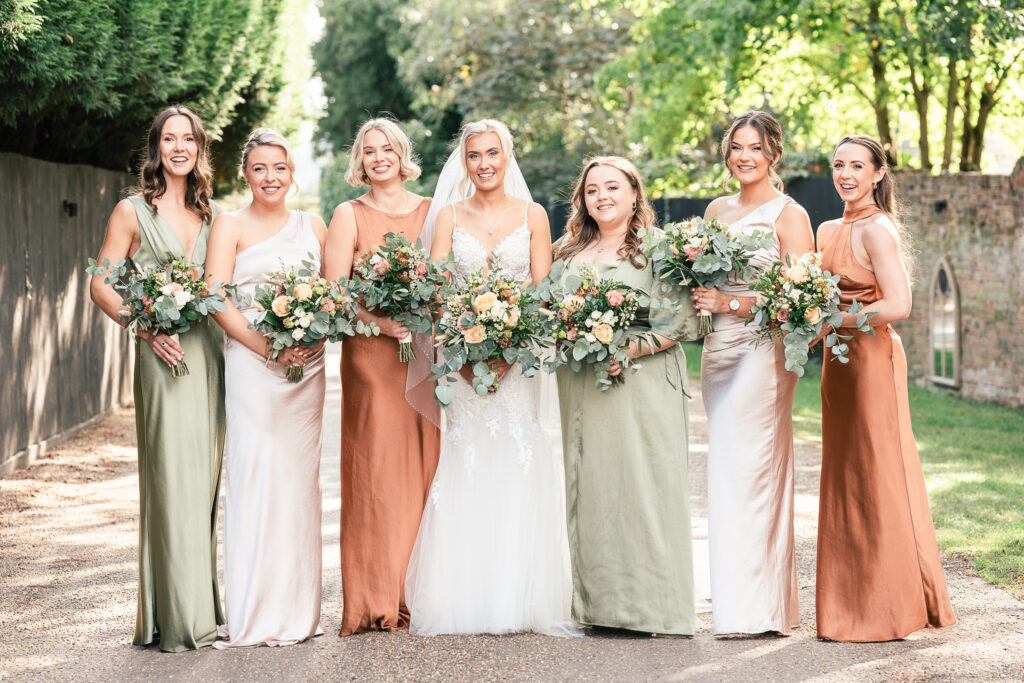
(67, 600)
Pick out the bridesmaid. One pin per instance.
(879, 575)
(748, 395)
(627, 492)
(389, 448)
(179, 420)
(272, 460)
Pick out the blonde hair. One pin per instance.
(473, 129)
(409, 168)
(266, 137)
(581, 229)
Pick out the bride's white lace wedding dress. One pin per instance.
(492, 554)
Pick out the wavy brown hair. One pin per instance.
(198, 184)
(581, 229)
(771, 141)
(884, 193)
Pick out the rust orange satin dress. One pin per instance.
(389, 453)
(879, 576)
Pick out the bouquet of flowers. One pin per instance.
(300, 307)
(703, 252)
(489, 318)
(399, 280)
(795, 301)
(169, 298)
(591, 323)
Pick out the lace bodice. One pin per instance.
(511, 254)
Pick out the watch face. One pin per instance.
(734, 304)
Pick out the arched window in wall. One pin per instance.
(945, 326)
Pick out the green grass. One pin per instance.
(972, 454)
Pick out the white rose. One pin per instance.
(608, 318)
(181, 298)
(297, 333)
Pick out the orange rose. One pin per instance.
(814, 315)
(280, 307)
(302, 292)
(475, 334)
(604, 333)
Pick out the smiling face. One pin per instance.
(485, 161)
(381, 161)
(268, 174)
(747, 159)
(609, 197)
(178, 146)
(854, 174)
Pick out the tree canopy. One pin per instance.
(82, 81)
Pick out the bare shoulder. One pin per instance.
(536, 215)
(318, 225)
(879, 232)
(826, 229)
(719, 205)
(343, 212)
(227, 222)
(793, 212)
(124, 217)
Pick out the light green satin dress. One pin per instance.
(627, 490)
(180, 426)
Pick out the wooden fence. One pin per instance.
(64, 364)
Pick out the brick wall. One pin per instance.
(980, 231)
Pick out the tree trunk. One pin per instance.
(965, 137)
(985, 106)
(951, 101)
(881, 101)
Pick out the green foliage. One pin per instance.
(82, 80)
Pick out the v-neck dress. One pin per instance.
(180, 426)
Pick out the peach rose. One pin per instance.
(571, 334)
(328, 305)
(382, 266)
(693, 253)
(604, 333)
(511, 317)
(475, 334)
(302, 291)
(575, 304)
(280, 307)
(420, 270)
(614, 297)
(796, 273)
(814, 315)
(484, 302)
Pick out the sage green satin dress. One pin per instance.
(180, 426)
(627, 488)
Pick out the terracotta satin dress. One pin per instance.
(879, 575)
(388, 456)
(748, 395)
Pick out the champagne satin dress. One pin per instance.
(389, 453)
(180, 427)
(748, 395)
(272, 544)
(879, 575)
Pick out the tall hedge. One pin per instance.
(80, 80)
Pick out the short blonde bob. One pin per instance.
(409, 168)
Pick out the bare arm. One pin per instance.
(339, 255)
(443, 228)
(881, 242)
(540, 242)
(220, 267)
(121, 241)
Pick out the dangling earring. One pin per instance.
(874, 185)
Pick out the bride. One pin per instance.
(492, 553)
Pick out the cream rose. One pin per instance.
(604, 333)
(796, 273)
(484, 302)
(302, 291)
(280, 306)
(475, 334)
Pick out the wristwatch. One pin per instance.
(734, 304)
